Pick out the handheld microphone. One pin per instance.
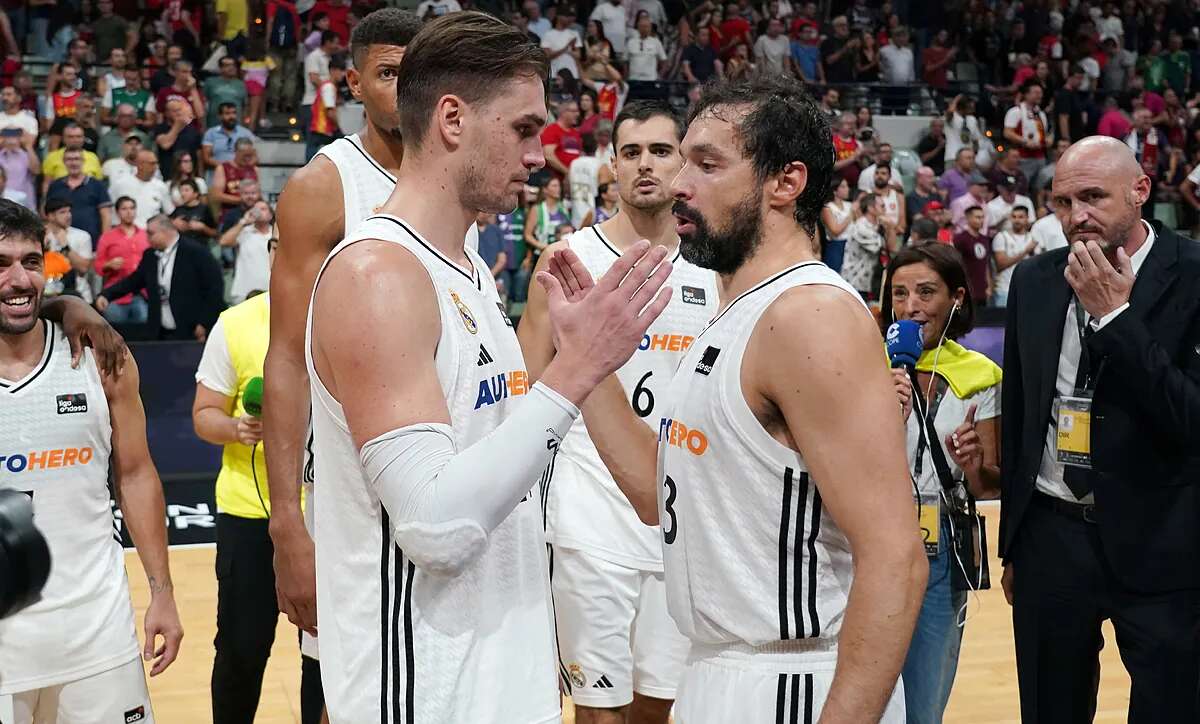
(252, 397)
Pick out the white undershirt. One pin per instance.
(166, 272)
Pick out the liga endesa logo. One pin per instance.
(46, 459)
(678, 435)
(666, 342)
(501, 386)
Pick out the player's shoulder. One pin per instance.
(821, 308)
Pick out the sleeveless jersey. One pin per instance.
(750, 554)
(478, 646)
(55, 445)
(234, 176)
(585, 509)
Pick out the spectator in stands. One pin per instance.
(183, 89)
(1027, 128)
(177, 135)
(61, 94)
(924, 190)
(883, 157)
(250, 193)
(491, 245)
(561, 141)
(1177, 64)
(962, 128)
(112, 144)
(898, 68)
(866, 61)
(932, 146)
(74, 244)
(1150, 148)
(611, 15)
(133, 93)
(972, 242)
(890, 197)
(837, 217)
(1008, 165)
(1045, 177)
(1114, 122)
(937, 59)
(773, 50)
(1010, 247)
(839, 52)
(977, 195)
(229, 176)
(316, 70)
(249, 236)
(324, 128)
(182, 283)
(338, 12)
(14, 116)
(86, 118)
(220, 142)
(185, 170)
(1071, 107)
(164, 76)
(608, 204)
(111, 31)
(126, 164)
(114, 77)
(225, 88)
(924, 231)
(17, 197)
(584, 183)
(598, 53)
(545, 217)
(700, 61)
(998, 211)
(870, 234)
(562, 43)
(118, 254)
(53, 167)
(518, 269)
(232, 26)
(88, 197)
(283, 42)
(645, 53)
(847, 150)
(957, 180)
(1048, 230)
(146, 188)
(192, 217)
(806, 55)
(831, 105)
(23, 81)
(21, 165)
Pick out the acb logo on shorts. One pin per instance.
(135, 715)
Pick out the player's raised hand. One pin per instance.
(597, 327)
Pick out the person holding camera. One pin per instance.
(959, 390)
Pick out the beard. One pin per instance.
(726, 249)
(476, 193)
(880, 184)
(11, 328)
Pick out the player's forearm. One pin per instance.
(627, 447)
(885, 598)
(144, 512)
(285, 412)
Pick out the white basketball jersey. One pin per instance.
(751, 555)
(585, 509)
(55, 445)
(399, 644)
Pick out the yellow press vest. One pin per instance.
(247, 327)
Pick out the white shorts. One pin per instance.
(615, 636)
(110, 697)
(729, 685)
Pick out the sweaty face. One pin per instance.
(647, 161)
(718, 198)
(502, 144)
(375, 85)
(21, 285)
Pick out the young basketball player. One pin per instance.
(73, 655)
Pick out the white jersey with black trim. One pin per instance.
(400, 644)
(55, 446)
(585, 510)
(751, 555)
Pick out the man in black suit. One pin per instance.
(1117, 314)
(181, 271)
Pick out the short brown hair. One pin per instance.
(469, 54)
(948, 263)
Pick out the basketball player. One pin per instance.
(73, 655)
(432, 590)
(791, 553)
(617, 644)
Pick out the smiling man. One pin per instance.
(621, 654)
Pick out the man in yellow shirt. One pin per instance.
(233, 21)
(53, 166)
(246, 606)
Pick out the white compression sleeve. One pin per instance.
(443, 502)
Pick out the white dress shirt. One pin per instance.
(166, 272)
(1050, 475)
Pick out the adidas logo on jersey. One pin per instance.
(693, 295)
(501, 386)
(73, 403)
(602, 683)
(484, 357)
(708, 360)
(666, 342)
(679, 435)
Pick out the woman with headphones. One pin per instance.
(961, 392)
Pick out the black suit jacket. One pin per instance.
(1145, 412)
(197, 289)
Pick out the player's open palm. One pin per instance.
(600, 325)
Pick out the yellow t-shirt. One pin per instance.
(246, 327)
(54, 168)
(236, 17)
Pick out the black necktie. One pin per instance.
(1079, 479)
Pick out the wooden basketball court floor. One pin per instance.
(985, 691)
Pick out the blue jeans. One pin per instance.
(835, 254)
(132, 313)
(516, 283)
(933, 654)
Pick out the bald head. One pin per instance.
(1109, 153)
(1099, 189)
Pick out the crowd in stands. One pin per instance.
(155, 108)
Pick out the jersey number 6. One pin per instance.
(641, 394)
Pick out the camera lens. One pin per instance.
(24, 556)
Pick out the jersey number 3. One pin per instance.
(670, 530)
